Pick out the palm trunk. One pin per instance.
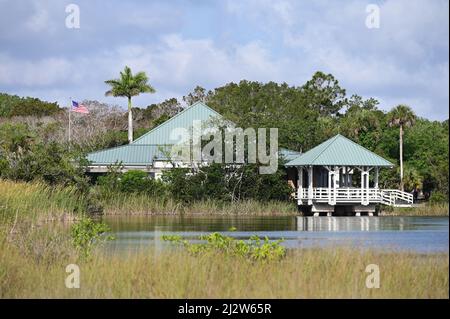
(401, 158)
(130, 122)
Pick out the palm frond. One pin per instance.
(129, 85)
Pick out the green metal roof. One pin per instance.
(131, 154)
(340, 151)
(161, 134)
(144, 150)
(288, 155)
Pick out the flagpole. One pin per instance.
(70, 109)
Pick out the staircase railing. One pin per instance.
(395, 197)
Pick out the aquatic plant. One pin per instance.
(87, 232)
(254, 248)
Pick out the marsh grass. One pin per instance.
(33, 261)
(141, 204)
(38, 201)
(307, 273)
(437, 209)
(33, 258)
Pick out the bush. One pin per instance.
(25, 157)
(133, 181)
(13, 105)
(438, 197)
(254, 248)
(86, 232)
(226, 183)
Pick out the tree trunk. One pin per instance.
(401, 158)
(130, 122)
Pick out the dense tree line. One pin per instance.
(305, 115)
(13, 105)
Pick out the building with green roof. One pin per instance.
(151, 151)
(326, 180)
(337, 175)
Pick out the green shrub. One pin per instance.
(438, 197)
(254, 248)
(131, 182)
(13, 105)
(135, 182)
(86, 233)
(226, 183)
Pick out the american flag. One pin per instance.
(79, 108)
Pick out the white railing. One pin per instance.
(395, 197)
(392, 197)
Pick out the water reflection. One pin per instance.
(364, 223)
(422, 234)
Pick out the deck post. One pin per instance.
(335, 184)
(310, 185)
(337, 175)
(300, 185)
(377, 172)
(330, 180)
(364, 186)
(349, 179)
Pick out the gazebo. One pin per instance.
(340, 176)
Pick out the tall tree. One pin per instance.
(401, 116)
(198, 95)
(324, 94)
(129, 85)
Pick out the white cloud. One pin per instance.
(48, 71)
(405, 61)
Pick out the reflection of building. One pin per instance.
(338, 224)
(340, 176)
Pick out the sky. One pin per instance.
(182, 44)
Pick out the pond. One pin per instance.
(416, 234)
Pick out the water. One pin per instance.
(417, 234)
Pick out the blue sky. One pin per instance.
(181, 44)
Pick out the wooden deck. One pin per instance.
(366, 196)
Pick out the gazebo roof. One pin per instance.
(339, 151)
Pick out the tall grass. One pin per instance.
(141, 204)
(437, 209)
(38, 201)
(311, 273)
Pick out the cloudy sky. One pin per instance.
(181, 44)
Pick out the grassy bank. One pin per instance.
(33, 260)
(438, 209)
(136, 204)
(27, 272)
(38, 201)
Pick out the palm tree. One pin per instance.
(401, 116)
(129, 85)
